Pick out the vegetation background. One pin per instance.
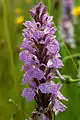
(12, 105)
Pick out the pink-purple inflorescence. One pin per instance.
(66, 26)
(41, 63)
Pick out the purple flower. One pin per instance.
(33, 73)
(28, 93)
(60, 96)
(40, 55)
(53, 47)
(55, 63)
(49, 87)
(58, 107)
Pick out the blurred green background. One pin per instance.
(12, 105)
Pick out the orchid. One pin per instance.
(41, 58)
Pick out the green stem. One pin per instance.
(54, 116)
(10, 52)
(73, 56)
(68, 52)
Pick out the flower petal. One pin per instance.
(28, 93)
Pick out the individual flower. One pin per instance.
(18, 11)
(19, 20)
(40, 55)
(76, 11)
